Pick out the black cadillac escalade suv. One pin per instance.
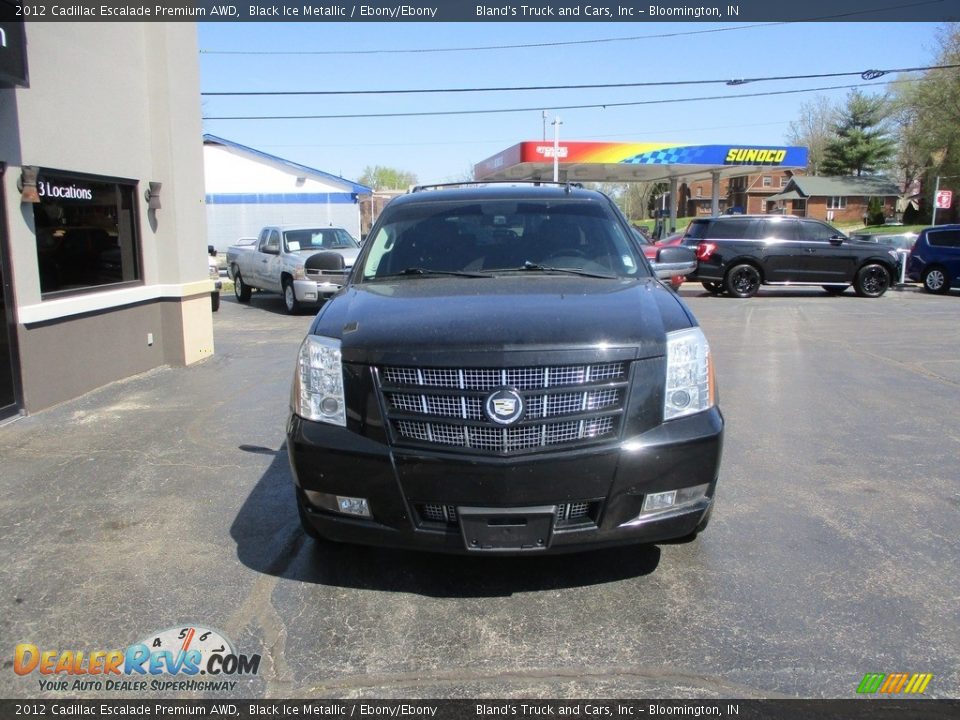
(504, 373)
(737, 254)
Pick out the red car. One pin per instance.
(650, 252)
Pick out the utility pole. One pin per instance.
(556, 148)
(936, 191)
(544, 118)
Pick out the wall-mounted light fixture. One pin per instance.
(152, 195)
(27, 184)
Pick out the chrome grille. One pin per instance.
(482, 379)
(497, 439)
(454, 406)
(328, 274)
(400, 376)
(445, 406)
(440, 378)
(602, 399)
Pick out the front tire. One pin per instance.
(872, 280)
(240, 288)
(290, 301)
(714, 287)
(935, 280)
(742, 281)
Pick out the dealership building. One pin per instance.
(102, 222)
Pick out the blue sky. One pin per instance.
(444, 148)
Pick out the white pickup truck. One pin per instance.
(305, 264)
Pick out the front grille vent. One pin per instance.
(563, 405)
(568, 514)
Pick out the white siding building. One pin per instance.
(247, 189)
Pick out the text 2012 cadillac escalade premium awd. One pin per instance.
(504, 373)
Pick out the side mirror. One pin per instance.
(673, 261)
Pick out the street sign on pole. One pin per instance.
(944, 199)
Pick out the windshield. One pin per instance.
(500, 236)
(319, 239)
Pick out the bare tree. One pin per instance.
(814, 129)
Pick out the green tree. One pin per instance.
(861, 142)
(387, 178)
(928, 114)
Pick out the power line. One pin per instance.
(631, 38)
(438, 113)
(494, 141)
(479, 48)
(865, 74)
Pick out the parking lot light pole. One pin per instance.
(556, 147)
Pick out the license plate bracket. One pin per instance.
(521, 529)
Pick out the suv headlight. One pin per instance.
(318, 381)
(690, 386)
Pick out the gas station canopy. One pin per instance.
(635, 162)
(638, 162)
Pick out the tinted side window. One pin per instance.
(944, 238)
(816, 231)
(736, 228)
(779, 229)
(696, 231)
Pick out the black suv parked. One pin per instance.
(739, 253)
(504, 373)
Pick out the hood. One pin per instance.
(503, 320)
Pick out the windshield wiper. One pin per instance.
(535, 267)
(440, 273)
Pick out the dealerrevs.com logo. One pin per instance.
(185, 658)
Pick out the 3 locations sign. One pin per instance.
(13, 55)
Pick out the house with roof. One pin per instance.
(835, 199)
(246, 189)
(746, 193)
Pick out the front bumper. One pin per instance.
(612, 480)
(311, 291)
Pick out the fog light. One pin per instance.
(338, 503)
(659, 501)
(353, 506)
(673, 499)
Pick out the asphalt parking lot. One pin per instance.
(833, 550)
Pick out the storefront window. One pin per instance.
(86, 232)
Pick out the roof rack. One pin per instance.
(480, 183)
